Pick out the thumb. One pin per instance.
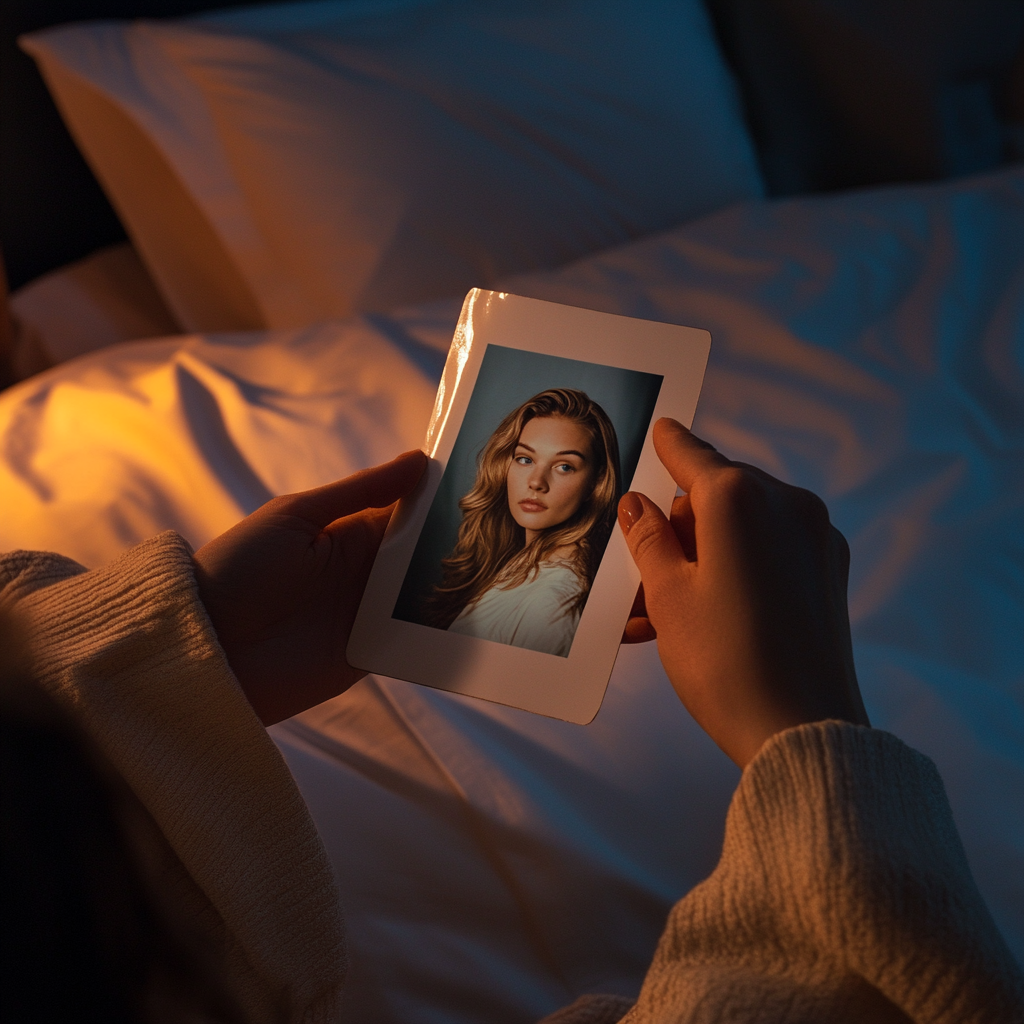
(652, 541)
(377, 487)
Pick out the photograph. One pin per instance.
(527, 503)
(504, 575)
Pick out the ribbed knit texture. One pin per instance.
(591, 1009)
(130, 651)
(843, 894)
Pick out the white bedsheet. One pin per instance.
(493, 864)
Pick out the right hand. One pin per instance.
(745, 589)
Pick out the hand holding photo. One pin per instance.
(503, 576)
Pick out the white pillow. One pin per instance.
(282, 165)
(100, 300)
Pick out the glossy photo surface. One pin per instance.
(527, 501)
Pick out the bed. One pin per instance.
(867, 344)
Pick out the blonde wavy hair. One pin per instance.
(491, 546)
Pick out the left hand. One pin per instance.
(282, 587)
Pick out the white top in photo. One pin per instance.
(536, 615)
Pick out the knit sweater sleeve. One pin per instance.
(129, 650)
(843, 894)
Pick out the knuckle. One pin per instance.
(642, 539)
(735, 486)
(841, 547)
(280, 503)
(811, 508)
(748, 491)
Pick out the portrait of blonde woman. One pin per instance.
(534, 525)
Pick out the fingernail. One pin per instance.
(631, 509)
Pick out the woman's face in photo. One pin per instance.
(551, 473)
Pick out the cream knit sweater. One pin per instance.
(843, 893)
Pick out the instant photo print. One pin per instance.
(504, 575)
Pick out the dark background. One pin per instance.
(507, 378)
(838, 94)
(52, 210)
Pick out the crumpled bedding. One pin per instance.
(494, 864)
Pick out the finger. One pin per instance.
(684, 454)
(368, 524)
(639, 630)
(652, 541)
(355, 540)
(685, 525)
(377, 487)
(839, 560)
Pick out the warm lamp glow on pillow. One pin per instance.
(318, 159)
